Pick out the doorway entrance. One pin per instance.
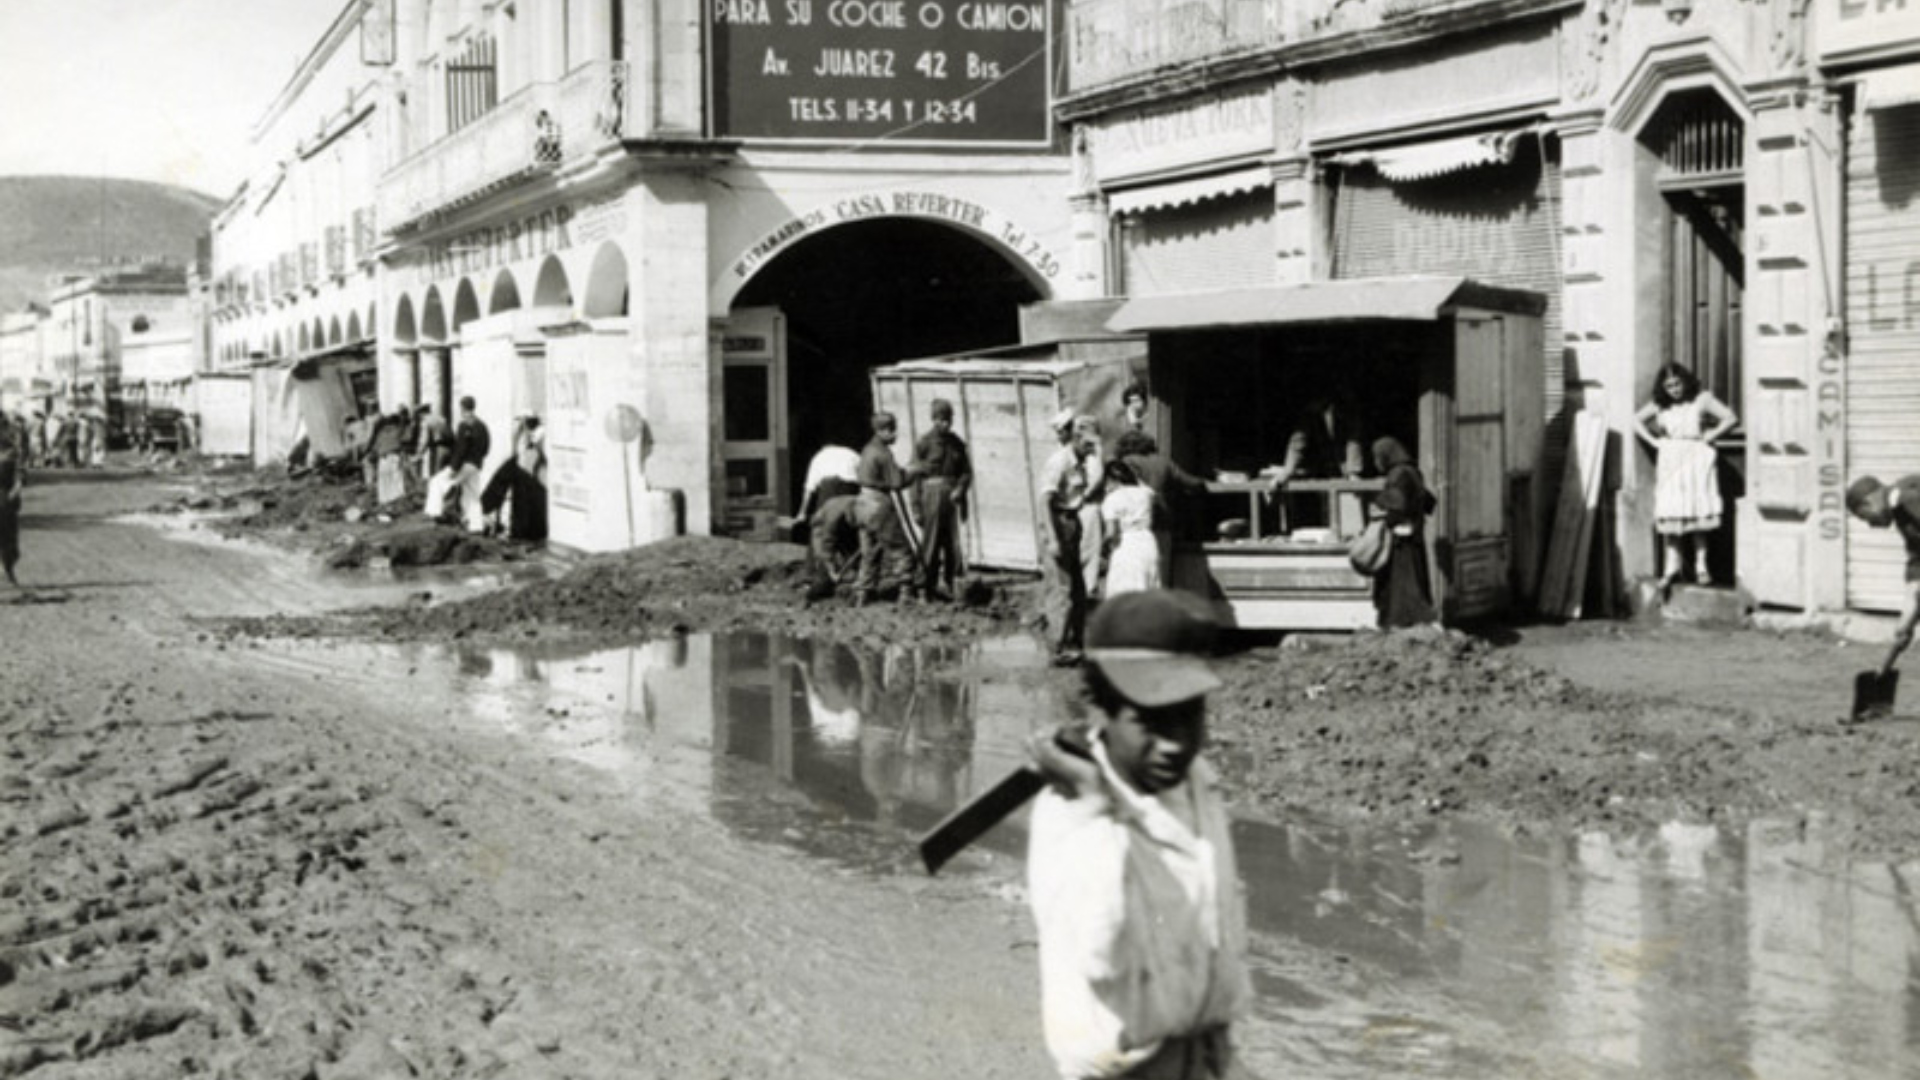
(1700, 143)
(807, 331)
(753, 425)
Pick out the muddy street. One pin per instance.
(423, 841)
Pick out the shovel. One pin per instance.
(989, 808)
(1873, 695)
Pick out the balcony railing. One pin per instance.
(537, 130)
(519, 138)
(1113, 40)
(593, 107)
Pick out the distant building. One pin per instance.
(292, 273)
(120, 332)
(695, 226)
(26, 380)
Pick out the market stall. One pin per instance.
(1448, 366)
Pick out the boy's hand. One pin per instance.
(1061, 755)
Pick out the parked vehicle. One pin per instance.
(160, 427)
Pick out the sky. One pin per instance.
(163, 90)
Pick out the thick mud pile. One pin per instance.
(1420, 724)
(338, 518)
(677, 586)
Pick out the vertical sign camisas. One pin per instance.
(907, 72)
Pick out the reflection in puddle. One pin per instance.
(1458, 951)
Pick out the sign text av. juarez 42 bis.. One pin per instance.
(909, 72)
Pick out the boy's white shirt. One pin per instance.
(1141, 918)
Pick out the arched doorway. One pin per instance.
(505, 295)
(406, 343)
(436, 360)
(551, 288)
(851, 298)
(466, 305)
(606, 284)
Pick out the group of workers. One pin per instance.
(859, 503)
(445, 462)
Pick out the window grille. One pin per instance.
(473, 86)
(1698, 138)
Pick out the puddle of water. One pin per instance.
(1458, 951)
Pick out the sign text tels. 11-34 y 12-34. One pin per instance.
(911, 72)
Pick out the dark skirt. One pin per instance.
(1403, 593)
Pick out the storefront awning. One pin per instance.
(1419, 299)
(308, 363)
(1428, 159)
(1182, 192)
(1890, 87)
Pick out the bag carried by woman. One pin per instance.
(1372, 549)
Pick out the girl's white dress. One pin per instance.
(1135, 564)
(1686, 494)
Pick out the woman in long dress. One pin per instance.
(1680, 425)
(1128, 509)
(1403, 592)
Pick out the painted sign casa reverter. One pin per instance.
(905, 72)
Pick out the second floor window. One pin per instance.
(473, 86)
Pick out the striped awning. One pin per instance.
(1183, 192)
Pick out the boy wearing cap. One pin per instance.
(1131, 873)
(1897, 505)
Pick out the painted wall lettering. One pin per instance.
(928, 204)
(911, 72)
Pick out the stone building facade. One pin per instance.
(1677, 179)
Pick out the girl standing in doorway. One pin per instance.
(1680, 425)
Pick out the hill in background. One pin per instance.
(62, 224)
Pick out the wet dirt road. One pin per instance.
(691, 857)
(217, 866)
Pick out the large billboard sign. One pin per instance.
(886, 72)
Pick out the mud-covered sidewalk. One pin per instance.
(1549, 727)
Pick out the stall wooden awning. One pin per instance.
(1405, 299)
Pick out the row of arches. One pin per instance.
(435, 321)
(303, 337)
(431, 320)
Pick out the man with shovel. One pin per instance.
(1881, 505)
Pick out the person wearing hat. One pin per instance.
(1072, 543)
(1895, 505)
(883, 536)
(945, 475)
(1130, 865)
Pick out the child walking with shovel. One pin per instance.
(1881, 505)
